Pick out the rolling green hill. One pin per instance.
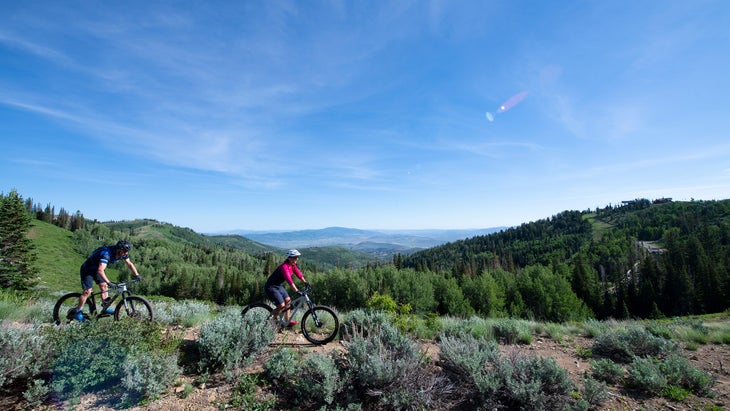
(57, 261)
(242, 243)
(640, 259)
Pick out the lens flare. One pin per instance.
(507, 105)
(512, 101)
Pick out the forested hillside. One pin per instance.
(636, 260)
(641, 259)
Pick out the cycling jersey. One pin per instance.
(283, 273)
(106, 254)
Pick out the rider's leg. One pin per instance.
(87, 283)
(279, 308)
(104, 290)
(287, 301)
(82, 298)
(79, 315)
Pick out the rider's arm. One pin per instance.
(299, 274)
(131, 266)
(102, 272)
(287, 272)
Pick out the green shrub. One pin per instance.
(88, 365)
(623, 346)
(514, 381)
(511, 331)
(583, 352)
(149, 373)
(554, 331)
(319, 380)
(385, 369)
(467, 355)
(719, 333)
(361, 322)
(36, 393)
(644, 374)
(245, 397)
(185, 313)
(679, 372)
(720, 337)
(23, 352)
(281, 366)
(96, 355)
(424, 328)
(675, 393)
(660, 329)
(593, 391)
(593, 328)
(126, 333)
(606, 370)
(229, 342)
(477, 327)
(381, 302)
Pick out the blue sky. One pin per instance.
(276, 115)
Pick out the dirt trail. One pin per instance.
(567, 353)
(712, 358)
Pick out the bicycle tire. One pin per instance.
(62, 310)
(137, 308)
(258, 311)
(323, 328)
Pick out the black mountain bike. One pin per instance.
(319, 324)
(128, 305)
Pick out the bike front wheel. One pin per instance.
(65, 308)
(320, 325)
(134, 307)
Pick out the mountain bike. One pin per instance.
(319, 324)
(131, 306)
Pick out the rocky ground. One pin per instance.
(215, 393)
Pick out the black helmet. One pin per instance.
(124, 245)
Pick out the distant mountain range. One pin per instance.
(380, 242)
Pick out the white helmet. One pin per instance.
(293, 253)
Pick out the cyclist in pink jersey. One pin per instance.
(274, 284)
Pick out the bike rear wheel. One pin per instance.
(136, 307)
(257, 312)
(320, 325)
(65, 308)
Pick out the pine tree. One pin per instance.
(16, 249)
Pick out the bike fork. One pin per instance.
(314, 313)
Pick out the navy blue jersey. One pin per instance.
(106, 254)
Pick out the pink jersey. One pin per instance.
(283, 273)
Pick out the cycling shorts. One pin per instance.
(277, 293)
(87, 279)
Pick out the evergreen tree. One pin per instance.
(16, 249)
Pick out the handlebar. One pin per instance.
(304, 290)
(123, 285)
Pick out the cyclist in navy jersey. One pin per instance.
(94, 269)
(274, 284)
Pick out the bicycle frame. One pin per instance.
(319, 324)
(131, 305)
(295, 305)
(121, 290)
